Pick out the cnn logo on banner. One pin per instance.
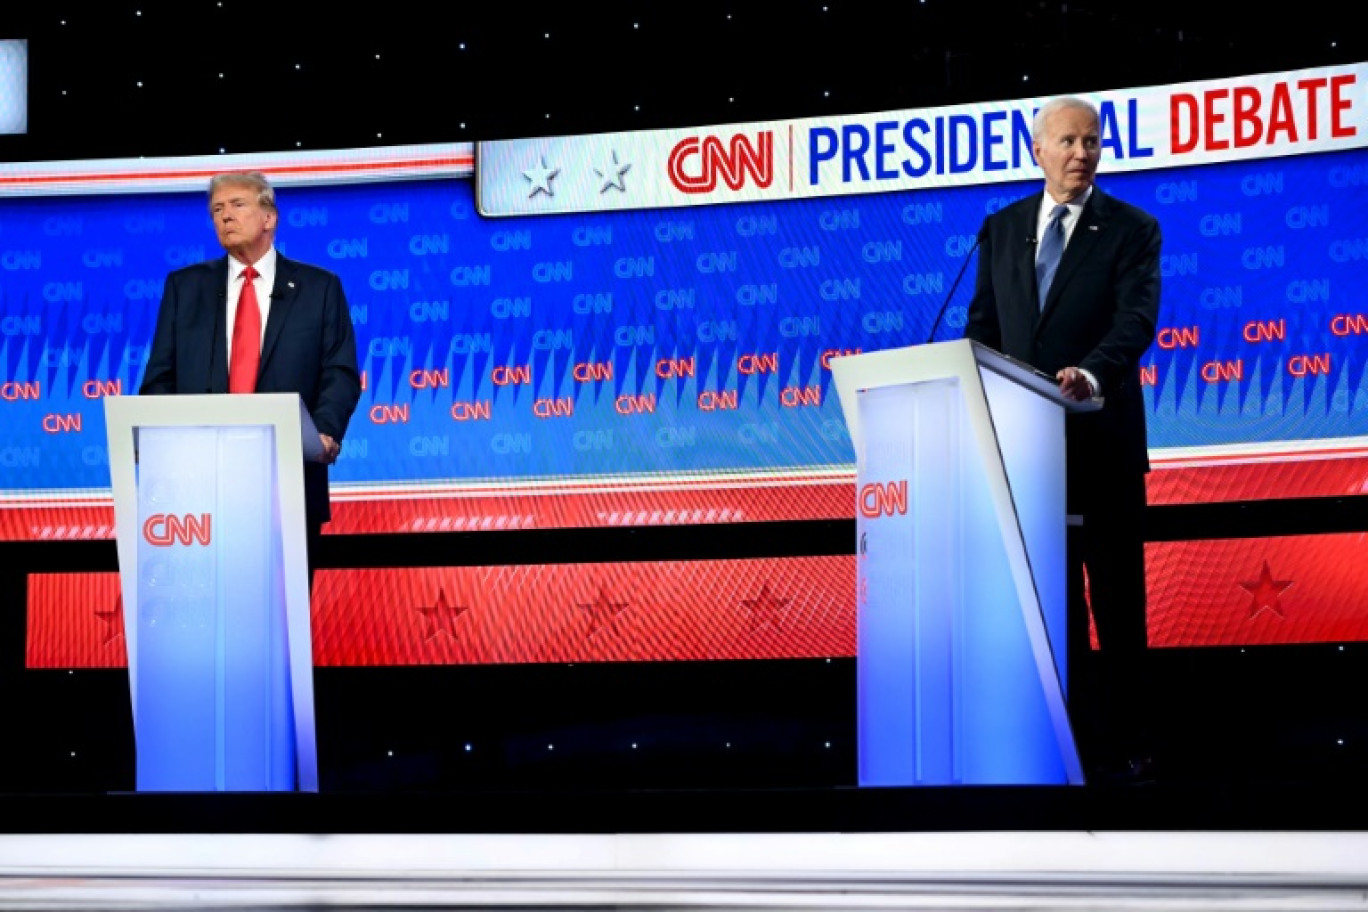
(696, 163)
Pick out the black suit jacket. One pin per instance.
(308, 348)
(1101, 316)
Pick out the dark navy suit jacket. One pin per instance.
(308, 348)
(1101, 315)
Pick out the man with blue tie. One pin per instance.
(1068, 281)
(256, 321)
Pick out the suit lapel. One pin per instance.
(218, 336)
(1028, 245)
(282, 299)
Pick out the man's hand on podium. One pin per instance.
(1074, 384)
(330, 450)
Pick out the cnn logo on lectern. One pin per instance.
(162, 530)
(884, 499)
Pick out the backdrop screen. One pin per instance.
(579, 370)
(663, 359)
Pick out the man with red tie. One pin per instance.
(256, 321)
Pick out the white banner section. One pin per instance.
(1249, 117)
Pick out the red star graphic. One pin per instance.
(765, 609)
(114, 621)
(1266, 591)
(602, 612)
(441, 616)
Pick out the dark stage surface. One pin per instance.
(1264, 739)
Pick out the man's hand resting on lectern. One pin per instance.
(1074, 384)
(330, 450)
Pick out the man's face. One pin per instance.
(1068, 151)
(244, 227)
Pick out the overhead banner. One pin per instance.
(1292, 113)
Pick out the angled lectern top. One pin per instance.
(961, 528)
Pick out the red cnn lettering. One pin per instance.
(1348, 324)
(165, 529)
(883, 499)
(563, 407)
(589, 371)
(1149, 375)
(14, 390)
(504, 375)
(695, 164)
(837, 353)
(758, 364)
(800, 396)
(709, 401)
(1315, 365)
(389, 414)
(98, 389)
(1179, 337)
(61, 424)
(1223, 371)
(635, 405)
(1265, 330)
(472, 411)
(429, 379)
(672, 368)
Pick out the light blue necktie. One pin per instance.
(1051, 249)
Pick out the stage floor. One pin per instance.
(966, 872)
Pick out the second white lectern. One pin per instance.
(209, 514)
(962, 595)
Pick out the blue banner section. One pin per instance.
(654, 342)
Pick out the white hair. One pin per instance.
(1072, 102)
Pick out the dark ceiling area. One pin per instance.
(196, 77)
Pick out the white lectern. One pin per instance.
(962, 595)
(209, 513)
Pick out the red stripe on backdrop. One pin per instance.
(591, 508)
(411, 510)
(75, 620)
(1297, 475)
(1171, 482)
(1219, 592)
(1258, 591)
(611, 612)
(657, 611)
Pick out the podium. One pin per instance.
(213, 568)
(960, 516)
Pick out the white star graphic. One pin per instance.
(541, 178)
(612, 175)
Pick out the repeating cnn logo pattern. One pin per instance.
(689, 343)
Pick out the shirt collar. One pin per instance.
(1047, 204)
(265, 267)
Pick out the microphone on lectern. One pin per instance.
(935, 324)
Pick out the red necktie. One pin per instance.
(242, 369)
